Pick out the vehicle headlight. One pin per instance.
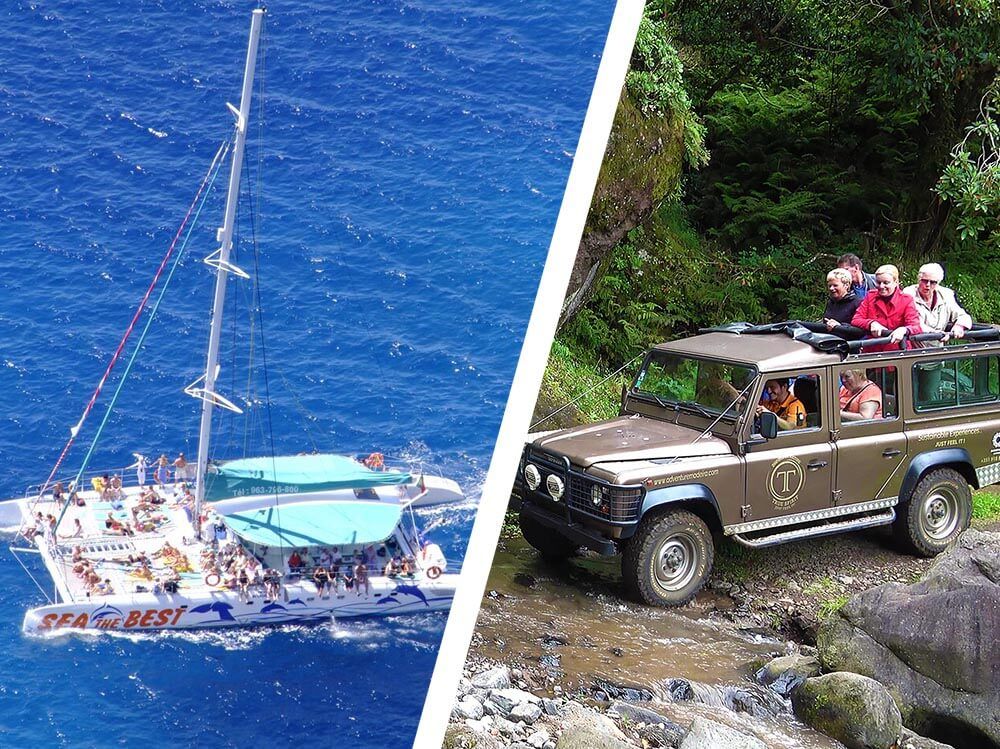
(596, 495)
(532, 476)
(555, 486)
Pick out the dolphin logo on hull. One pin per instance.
(220, 608)
(411, 590)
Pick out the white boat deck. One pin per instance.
(133, 592)
(108, 552)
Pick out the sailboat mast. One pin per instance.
(220, 261)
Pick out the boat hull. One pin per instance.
(299, 603)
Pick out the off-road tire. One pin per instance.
(668, 560)
(937, 510)
(552, 544)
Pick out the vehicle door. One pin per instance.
(793, 472)
(870, 451)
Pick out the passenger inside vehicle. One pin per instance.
(783, 404)
(860, 398)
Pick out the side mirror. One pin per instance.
(768, 425)
(624, 397)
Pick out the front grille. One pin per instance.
(618, 504)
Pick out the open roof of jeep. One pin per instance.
(793, 344)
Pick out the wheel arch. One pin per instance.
(956, 458)
(696, 498)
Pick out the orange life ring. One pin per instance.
(208, 579)
(375, 461)
(433, 573)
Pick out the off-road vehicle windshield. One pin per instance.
(707, 388)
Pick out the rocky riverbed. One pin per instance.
(621, 675)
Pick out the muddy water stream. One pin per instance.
(566, 625)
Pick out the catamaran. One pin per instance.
(260, 540)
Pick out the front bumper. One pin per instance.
(576, 532)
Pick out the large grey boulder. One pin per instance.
(707, 734)
(494, 678)
(468, 707)
(933, 643)
(525, 712)
(855, 710)
(585, 729)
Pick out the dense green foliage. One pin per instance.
(810, 129)
(655, 81)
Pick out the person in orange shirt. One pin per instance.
(783, 404)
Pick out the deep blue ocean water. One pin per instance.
(412, 163)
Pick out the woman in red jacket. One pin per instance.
(887, 311)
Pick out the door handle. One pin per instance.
(892, 452)
(817, 464)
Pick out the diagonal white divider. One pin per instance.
(528, 375)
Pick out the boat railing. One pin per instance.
(86, 480)
(128, 476)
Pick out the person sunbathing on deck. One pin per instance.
(166, 551)
(142, 570)
(77, 530)
(91, 581)
(113, 525)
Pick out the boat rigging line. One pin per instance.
(194, 210)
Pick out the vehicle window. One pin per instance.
(867, 395)
(794, 400)
(956, 382)
(701, 385)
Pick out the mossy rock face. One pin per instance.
(642, 166)
(548, 403)
(853, 709)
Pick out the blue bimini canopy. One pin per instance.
(330, 471)
(316, 523)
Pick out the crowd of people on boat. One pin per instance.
(85, 571)
(876, 304)
(232, 567)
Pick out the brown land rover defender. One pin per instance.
(768, 434)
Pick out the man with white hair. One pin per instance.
(938, 308)
(939, 312)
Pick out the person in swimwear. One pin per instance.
(321, 578)
(361, 578)
(77, 530)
